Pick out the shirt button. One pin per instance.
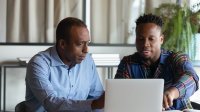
(71, 85)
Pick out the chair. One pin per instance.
(20, 107)
(195, 105)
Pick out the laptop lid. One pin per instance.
(134, 95)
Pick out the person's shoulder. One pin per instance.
(133, 58)
(41, 56)
(173, 53)
(177, 57)
(127, 57)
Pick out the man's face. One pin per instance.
(75, 51)
(148, 41)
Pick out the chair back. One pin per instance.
(20, 107)
(195, 105)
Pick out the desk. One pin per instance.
(186, 110)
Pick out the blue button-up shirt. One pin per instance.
(51, 86)
(175, 68)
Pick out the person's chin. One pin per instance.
(145, 56)
(79, 61)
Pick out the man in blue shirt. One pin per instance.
(64, 77)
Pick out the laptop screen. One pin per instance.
(134, 95)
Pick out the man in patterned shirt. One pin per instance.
(150, 61)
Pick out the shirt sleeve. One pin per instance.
(186, 79)
(123, 70)
(38, 80)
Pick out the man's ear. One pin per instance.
(162, 38)
(61, 44)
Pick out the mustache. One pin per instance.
(145, 49)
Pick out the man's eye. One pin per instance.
(80, 44)
(151, 39)
(140, 39)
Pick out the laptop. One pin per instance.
(134, 95)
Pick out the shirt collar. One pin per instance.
(55, 59)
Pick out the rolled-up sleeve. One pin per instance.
(186, 79)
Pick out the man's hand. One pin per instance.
(98, 103)
(169, 95)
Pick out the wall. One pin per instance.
(10, 53)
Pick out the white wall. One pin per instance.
(12, 52)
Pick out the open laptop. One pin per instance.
(134, 95)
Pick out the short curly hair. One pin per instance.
(149, 18)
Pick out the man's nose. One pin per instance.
(146, 43)
(85, 48)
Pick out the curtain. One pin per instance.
(113, 21)
(34, 21)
